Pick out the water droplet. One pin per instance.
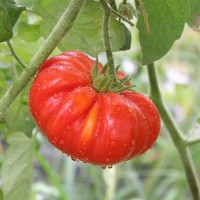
(60, 82)
(112, 143)
(114, 103)
(110, 166)
(103, 167)
(73, 158)
(56, 96)
(80, 152)
(86, 159)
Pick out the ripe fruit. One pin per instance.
(98, 128)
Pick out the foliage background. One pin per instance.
(156, 175)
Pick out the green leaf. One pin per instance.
(86, 34)
(9, 13)
(194, 20)
(28, 32)
(166, 19)
(18, 117)
(16, 170)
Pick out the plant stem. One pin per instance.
(122, 17)
(15, 55)
(51, 174)
(192, 141)
(106, 38)
(113, 4)
(175, 133)
(63, 26)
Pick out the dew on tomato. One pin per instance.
(98, 128)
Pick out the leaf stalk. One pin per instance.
(175, 133)
(63, 26)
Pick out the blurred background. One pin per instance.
(157, 174)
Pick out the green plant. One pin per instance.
(79, 25)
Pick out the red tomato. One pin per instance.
(98, 128)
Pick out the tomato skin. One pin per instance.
(98, 128)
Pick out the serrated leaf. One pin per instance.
(28, 32)
(194, 20)
(86, 34)
(16, 170)
(18, 117)
(166, 19)
(9, 13)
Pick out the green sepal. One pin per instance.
(104, 69)
(104, 82)
(95, 69)
(122, 88)
(117, 68)
(126, 79)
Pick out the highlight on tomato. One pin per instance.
(86, 115)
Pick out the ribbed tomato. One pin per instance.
(98, 128)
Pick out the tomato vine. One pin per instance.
(64, 25)
(150, 48)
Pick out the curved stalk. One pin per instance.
(192, 141)
(113, 4)
(63, 26)
(175, 133)
(106, 37)
(122, 17)
(15, 55)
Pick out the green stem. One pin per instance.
(106, 37)
(175, 133)
(122, 17)
(192, 141)
(15, 55)
(63, 26)
(113, 4)
(51, 174)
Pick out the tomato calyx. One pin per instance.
(105, 82)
